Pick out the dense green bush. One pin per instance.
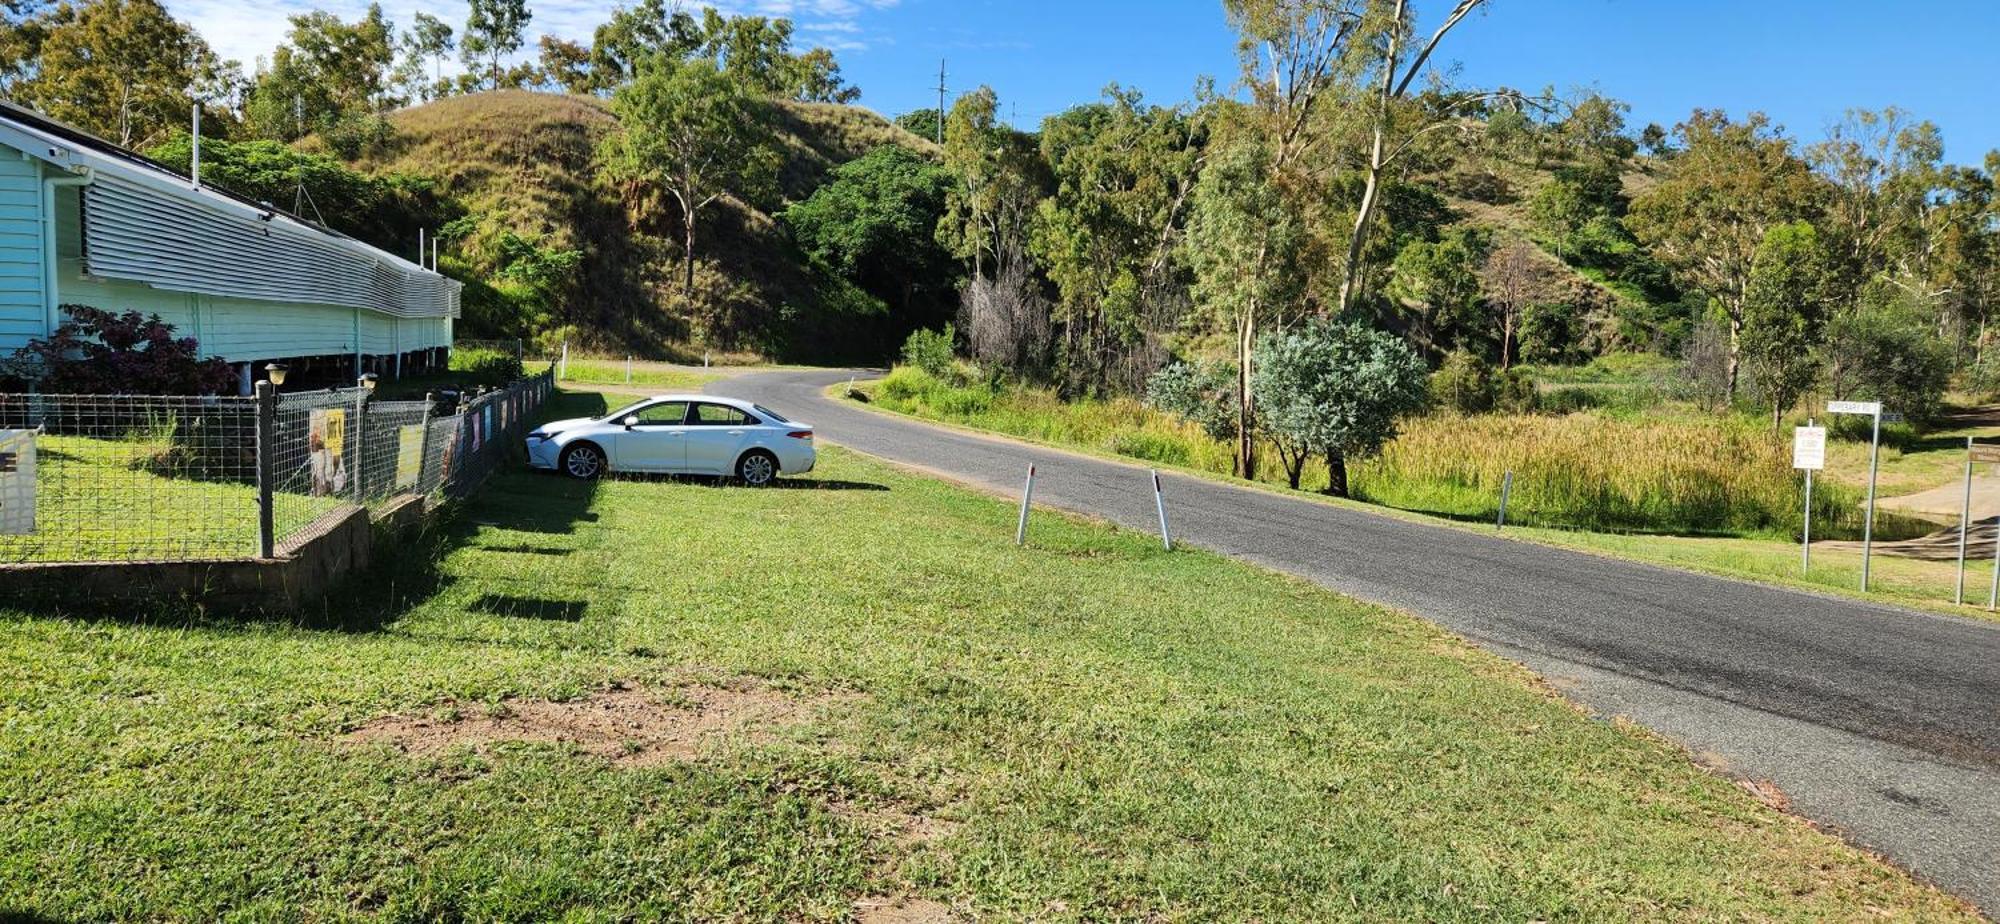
(489, 367)
(1203, 394)
(1886, 355)
(1464, 383)
(931, 350)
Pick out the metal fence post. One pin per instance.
(1964, 526)
(1506, 489)
(360, 472)
(1027, 497)
(424, 445)
(1868, 516)
(267, 468)
(1160, 503)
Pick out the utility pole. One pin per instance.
(941, 92)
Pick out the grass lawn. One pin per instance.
(664, 376)
(1088, 728)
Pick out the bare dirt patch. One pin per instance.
(902, 826)
(629, 727)
(901, 911)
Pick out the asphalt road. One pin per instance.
(1879, 722)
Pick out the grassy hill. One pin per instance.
(1494, 194)
(524, 162)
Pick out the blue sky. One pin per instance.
(1802, 62)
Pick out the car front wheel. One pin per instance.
(584, 461)
(757, 469)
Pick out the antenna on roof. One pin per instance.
(194, 154)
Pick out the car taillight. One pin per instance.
(800, 434)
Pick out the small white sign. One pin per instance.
(1870, 408)
(17, 482)
(1809, 448)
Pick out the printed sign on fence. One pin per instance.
(409, 456)
(1809, 448)
(326, 436)
(17, 482)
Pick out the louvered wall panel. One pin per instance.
(135, 233)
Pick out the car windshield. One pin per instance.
(774, 415)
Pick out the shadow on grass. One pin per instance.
(523, 549)
(515, 499)
(16, 916)
(518, 607)
(727, 483)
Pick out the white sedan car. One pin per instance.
(677, 435)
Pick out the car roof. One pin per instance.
(712, 399)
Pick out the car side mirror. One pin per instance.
(630, 422)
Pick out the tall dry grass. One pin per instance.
(1665, 472)
(1668, 470)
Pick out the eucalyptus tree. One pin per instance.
(695, 134)
(1725, 189)
(429, 41)
(120, 68)
(1296, 57)
(1124, 175)
(1390, 28)
(1785, 308)
(997, 179)
(494, 29)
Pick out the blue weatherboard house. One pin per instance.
(83, 221)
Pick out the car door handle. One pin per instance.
(735, 433)
(676, 432)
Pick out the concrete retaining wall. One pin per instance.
(302, 573)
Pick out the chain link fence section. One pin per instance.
(135, 478)
(128, 478)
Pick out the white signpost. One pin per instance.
(1808, 454)
(1872, 409)
(17, 482)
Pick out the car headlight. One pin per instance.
(538, 435)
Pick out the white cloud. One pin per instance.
(235, 31)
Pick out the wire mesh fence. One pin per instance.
(97, 478)
(133, 478)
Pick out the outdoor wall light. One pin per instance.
(368, 381)
(276, 373)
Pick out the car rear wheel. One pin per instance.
(583, 460)
(757, 469)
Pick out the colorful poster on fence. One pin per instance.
(17, 482)
(444, 463)
(326, 436)
(409, 456)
